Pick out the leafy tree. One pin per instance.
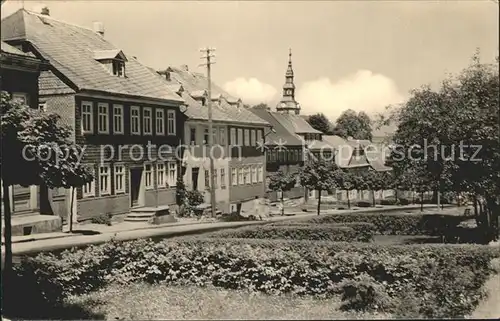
(318, 175)
(320, 122)
(281, 182)
(36, 150)
(457, 128)
(351, 124)
(261, 106)
(346, 180)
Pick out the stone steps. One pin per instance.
(146, 214)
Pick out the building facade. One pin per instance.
(128, 122)
(239, 164)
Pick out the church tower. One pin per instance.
(288, 105)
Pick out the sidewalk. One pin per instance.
(98, 234)
(490, 307)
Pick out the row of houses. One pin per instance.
(118, 108)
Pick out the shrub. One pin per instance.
(365, 230)
(102, 219)
(403, 201)
(235, 217)
(388, 202)
(298, 232)
(364, 293)
(446, 279)
(396, 224)
(364, 204)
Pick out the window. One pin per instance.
(171, 122)
(240, 137)
(260, 173)
(233, 136)
(296, 155)
(117, 119)
(147, 121)
(205, 136)
(118, 68)
(102, 116)
(172, 174)
(214, 136)
(104, 180)
(148, 176)
(160, 175)
(21, 98)
(135, 122)
(240, 176)
(207, 179)
(222, 134)
(259, 136)
(89, 188)
(87, 117)
(119, 179)
(42, 106)
(252, 137)
(222, 178)
(254, 175)
(192, 135)
(234, 176)
(160, 121)
(247, 137)
(248, 177)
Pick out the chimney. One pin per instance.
(167, 75)
(185, 67)
(45, 11)
(99, 27)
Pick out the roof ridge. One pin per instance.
(55, 19)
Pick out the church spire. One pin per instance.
(288, 103)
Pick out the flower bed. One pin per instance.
(442, 280)
(313, 232)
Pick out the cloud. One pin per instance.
(251, 91)
(362, 91)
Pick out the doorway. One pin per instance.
(135, 185)
(195, 171)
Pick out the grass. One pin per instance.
(147, 302)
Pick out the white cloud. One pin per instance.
(251, 91)
(362, 91)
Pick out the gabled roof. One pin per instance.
(295, 123)
(281, 134)
(334, 141)
(195, 83)
(70, 50)
(50, 84)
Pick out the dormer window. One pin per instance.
(114, 60)
(118, 68)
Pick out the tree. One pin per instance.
(36, 150)
(457, 129)
(346, 180)
(321, 123)
(351, 124)
(318, 175)
(262, 106)
(281, 182)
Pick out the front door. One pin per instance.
(135, 186)
(195, 171)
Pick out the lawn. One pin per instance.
(148, 302)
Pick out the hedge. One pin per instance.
(360, 227)
(312, 232)
(396, 224)
(442, 280)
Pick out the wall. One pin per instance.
(247, 192)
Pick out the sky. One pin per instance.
(362, 55)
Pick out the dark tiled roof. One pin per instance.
(281, 134)
(70, 49)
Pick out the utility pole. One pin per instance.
(207, 54)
